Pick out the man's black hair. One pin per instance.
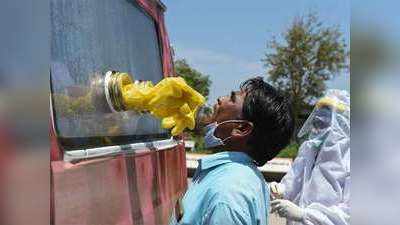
(272, 116)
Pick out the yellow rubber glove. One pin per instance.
(177, 103)
(171, 100)
(184, 118)
(136, 95)
(173, 92)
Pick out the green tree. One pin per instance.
(194, 78)
(306, 56)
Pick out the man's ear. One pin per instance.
(243, 129)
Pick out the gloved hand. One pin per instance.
(288, 209)
(184, 118)
(276, 190)
(176, 103)
(171, 100)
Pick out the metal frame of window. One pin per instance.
(90, 153)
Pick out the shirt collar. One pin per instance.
(222, 158)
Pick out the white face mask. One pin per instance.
(210, 140)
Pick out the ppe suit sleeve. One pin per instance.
(292, 181)
(339, 214)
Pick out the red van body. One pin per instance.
(142, 187)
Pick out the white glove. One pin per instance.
(276, 190)
(288, 209)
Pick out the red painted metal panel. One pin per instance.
(128, 190)
(92, 192)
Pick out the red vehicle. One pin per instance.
(110, 167)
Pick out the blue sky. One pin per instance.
(378, 16)
(227, 39)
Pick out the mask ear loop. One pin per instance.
(223, 141)
(234, 121)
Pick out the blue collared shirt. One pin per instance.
(227, 189)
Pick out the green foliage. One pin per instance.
(307, 55)
(290, 151)
(67, 106)
(194, 78)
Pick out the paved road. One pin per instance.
(274, 219)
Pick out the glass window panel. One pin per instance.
(89, 38)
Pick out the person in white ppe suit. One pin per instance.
(317, 188)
